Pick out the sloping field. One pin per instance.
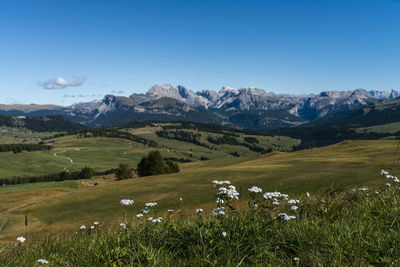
(71, 203)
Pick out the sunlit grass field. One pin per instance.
(355, 226)
(66, 205)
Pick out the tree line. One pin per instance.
(84, 173)
(103, 132)
(18, 148)
(185, 136)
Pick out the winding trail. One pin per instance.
(68, 158)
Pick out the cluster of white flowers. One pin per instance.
(126, 202)
(199, 210)
(285, 217)
(139, 215)
(123, 225)
(150, 204)
(294, 208)
(275, 195)
(388, 176)
(229, 192)
(21, 239)
(42, 261)
(145, 210)
(255, 190)
(217, 183)
(293, 201)
(275, 203)
(220, 200)
(218, 211)
(83, 227)
(157, 220)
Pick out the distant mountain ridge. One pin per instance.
(246, 107)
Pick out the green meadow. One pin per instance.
(68, 204)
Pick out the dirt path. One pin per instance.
(68, 158)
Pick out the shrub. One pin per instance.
(124, 172)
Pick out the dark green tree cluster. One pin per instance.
(251, 140)
(103, 132)
(85, 173)
(221, 140)
(124, 172)
(18, 148)
(185, 136)
(154, 164)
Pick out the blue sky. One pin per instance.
(121, 47)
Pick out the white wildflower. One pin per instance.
(388, 185)
(308, 194)
(271, 195)
(229, 192)
(123, 225)
(199, 210)
(223, 234)
(180, 199)
(42, 261)
(126, 202)
(158, 220)
(96, 223)
(170, 211)
(83, 227)
(21, 239)
(363, 189)
(139, 215)
(383, 172)
(285, 217)
(276, 203)
(217, 183)
(218, 211)
(150, 204)
(92, 227)
(220, 201)
(376, 192)
(294, 201)
(145, 210)
(294, 208)
(255, 190)
(296, 259)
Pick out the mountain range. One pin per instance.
(247, 107)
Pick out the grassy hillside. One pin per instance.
(381, 128)
(355, 227)
(71, 203)
(103, 153)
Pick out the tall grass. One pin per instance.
(353, 227)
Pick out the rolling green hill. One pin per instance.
(68, 204)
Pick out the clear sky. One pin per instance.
(121, 47)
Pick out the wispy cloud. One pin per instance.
(61, 83)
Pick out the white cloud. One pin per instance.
(61, 83)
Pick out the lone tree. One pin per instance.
(124, 172)
(154, 164)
